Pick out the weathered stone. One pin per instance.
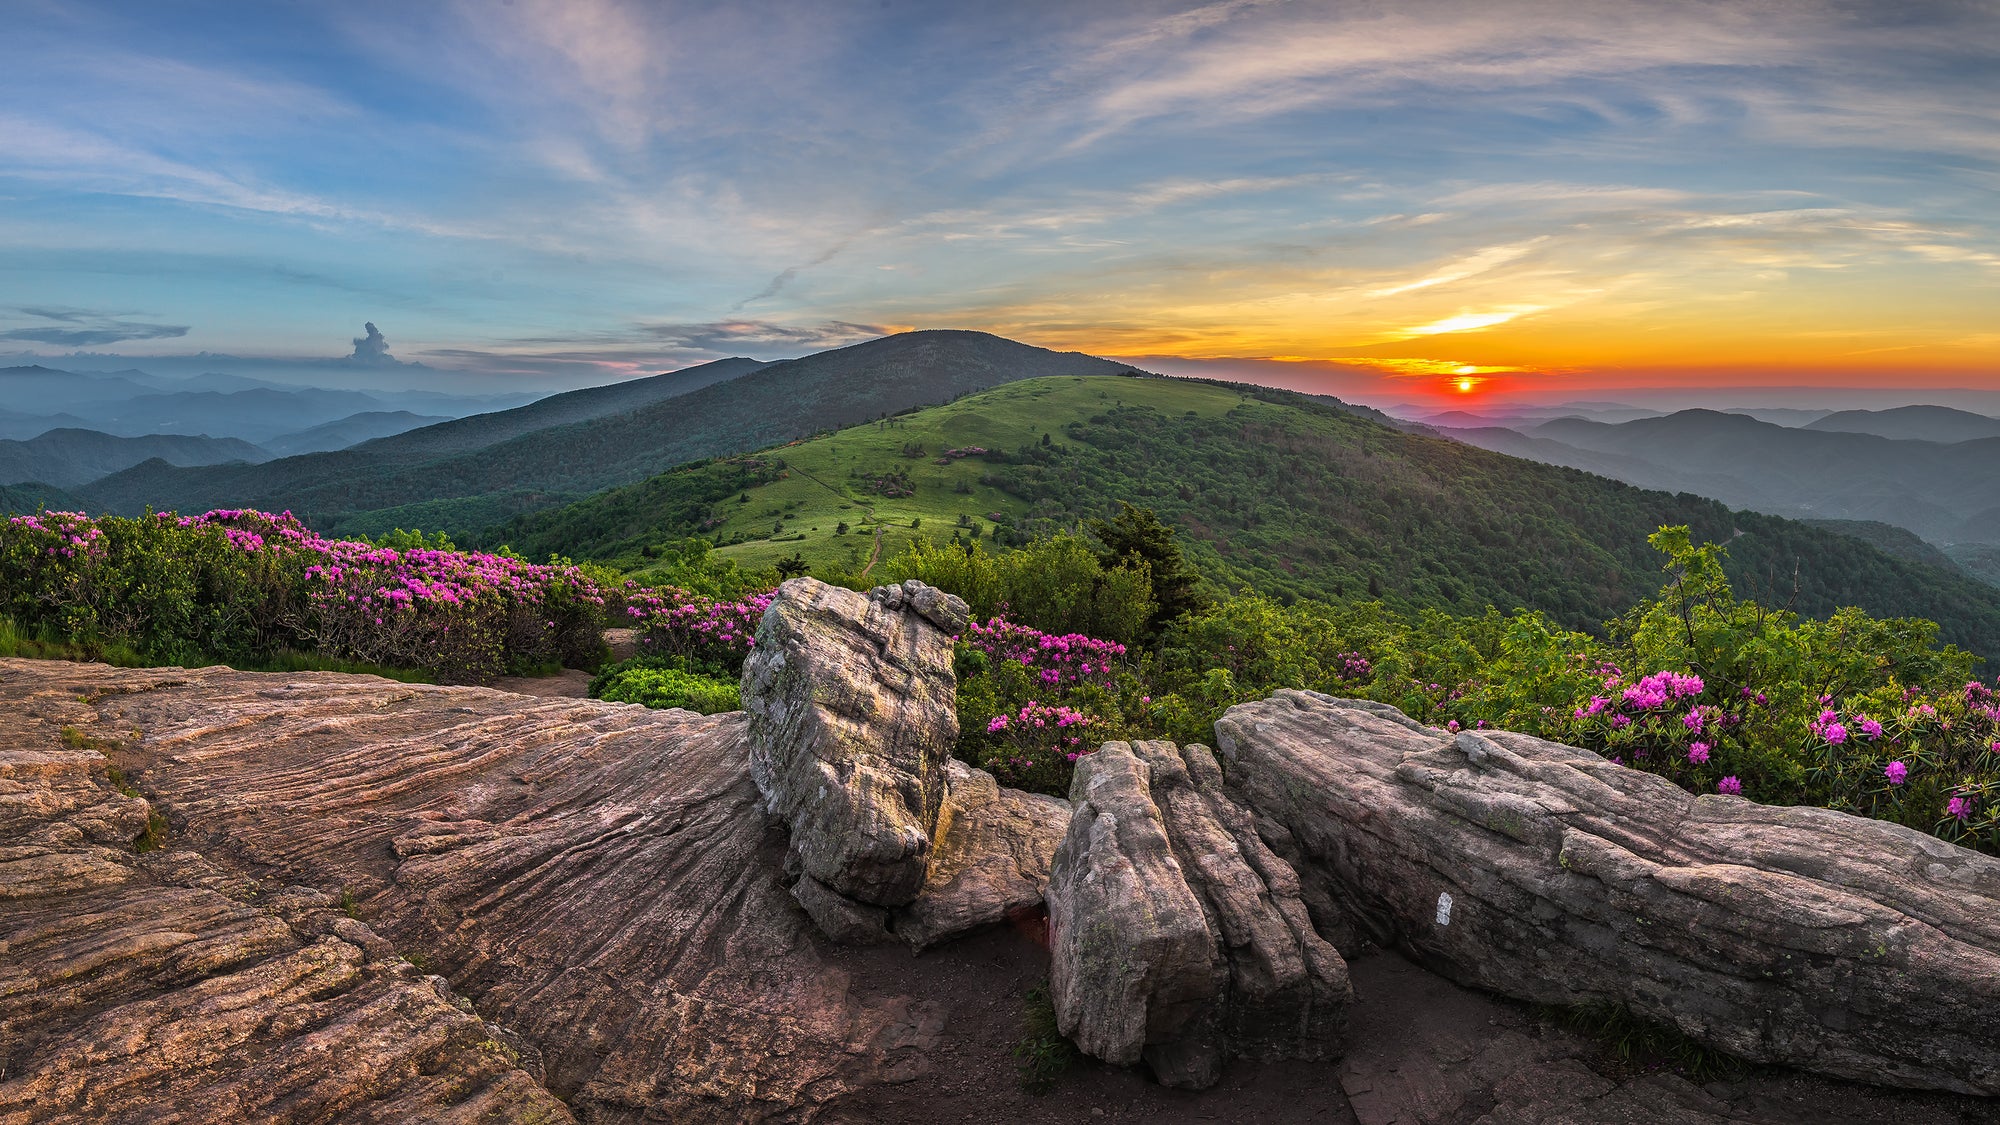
(840, 918)
(852, 717)
(1176, 936)
(1803, 936)
(989, 858)
(599, 878)
(157, 988)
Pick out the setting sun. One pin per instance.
(1465, 386)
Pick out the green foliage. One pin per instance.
(1059, 584)
(668, 681)
(1872, 716)
(1044, 1055)
(256, 590)
(694, 566)
(1288, 495)
(414, 539)
(1136, 540)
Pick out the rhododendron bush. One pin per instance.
(1721, 695)
(243, 584)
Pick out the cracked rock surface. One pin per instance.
(598, 878)
(1176, 936)
(852, 716)
(155, 987)
(1851, 947)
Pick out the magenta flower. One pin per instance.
(1697, 752)
(1896, 772)
(1730, 785)
(1959, 807)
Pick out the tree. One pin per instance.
(1135, 537)
(792, 567)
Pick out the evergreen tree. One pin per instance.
(1136, 535)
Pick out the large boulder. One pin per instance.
(1801, 936)
(1176, 936)
(990, 858)
(852, 706)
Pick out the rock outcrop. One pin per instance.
(1176, 936)
(852, 716)
(989, 860)
(598, 878)
(157, 987)
(1801, 936)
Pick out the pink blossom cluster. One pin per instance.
(63, 535)
(1038, 741)
(678, 623)
(1056, 661)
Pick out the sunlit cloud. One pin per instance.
(1574, 188)
(1470, 321)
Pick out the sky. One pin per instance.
(1400, 201)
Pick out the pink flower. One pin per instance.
(1959, 807)
(1697, 752)
(1730, 786)
(1896, 772)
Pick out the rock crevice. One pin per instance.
(1176, 935)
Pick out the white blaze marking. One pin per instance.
(1444, 908)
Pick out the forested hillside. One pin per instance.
(524, 471)
(1272, 490)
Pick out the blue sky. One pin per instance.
(1530, 198)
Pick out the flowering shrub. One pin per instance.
(1057, 662)
(236, 584)
(677, 623)
(1036, 746)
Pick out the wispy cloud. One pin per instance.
(83, 328)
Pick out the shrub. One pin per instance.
(676, 623)
(662, 682)
(246, 586)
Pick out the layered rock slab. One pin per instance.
(852, 716)
(598, 878)
(1176, 936)
(1802, 936)
(156, 988)
(989, 861)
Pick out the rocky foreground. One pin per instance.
(306, 898)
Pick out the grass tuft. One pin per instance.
(1045, 1056)
(1640, 1044)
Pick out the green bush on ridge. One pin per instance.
(668, 681)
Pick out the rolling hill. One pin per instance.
(490, 466)
(1942, 492)
(351, 430)
(1272, 490)
(1912, 423)
(33, 496)
(68, 458)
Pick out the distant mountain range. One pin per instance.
(484, 469)
(134, 404)
(369, 425)
(68, 458)
(1912, 423)
(1942, 485)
